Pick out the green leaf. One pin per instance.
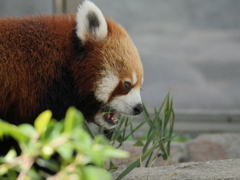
(54, 130)
(72, 119)
(146, 115)
(148, 142)
(112, 167)
(27, 129)
(1, 133)
(96, 156)
(49, 134)
(165, 156)
(111, 152)
(94, 173)
(135, 129)
(84, 140)
(50, 164)
(139, 143)
(89, 130)
(3, 169)
(117, 130)
(66, 151)
(78, 149)
(99, 139)
(136, 163)
(10, 155)
(42, 121)
(13, 131)
(148, 159)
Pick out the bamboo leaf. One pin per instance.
(139, 143)
(145, 113)
(89, 130)
(136, 163)
(149, 141)
(136, 128)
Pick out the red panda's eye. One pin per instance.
(127, 86)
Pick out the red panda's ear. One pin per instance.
(90, 22)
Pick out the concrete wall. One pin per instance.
(193, 13)
(25, 7)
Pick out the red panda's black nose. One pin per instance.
(138, 109)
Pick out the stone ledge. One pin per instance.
(211, 170)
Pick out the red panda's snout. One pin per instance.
(129, 104)
(118, 96)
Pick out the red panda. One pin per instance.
(56, 61)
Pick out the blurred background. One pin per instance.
(191, 48)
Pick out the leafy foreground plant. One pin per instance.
(159, 135)
(74, 146)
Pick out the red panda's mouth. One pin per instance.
(111, 118)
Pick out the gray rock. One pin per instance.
(208, 147)
(215, 170)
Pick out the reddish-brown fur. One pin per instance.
(117, 54)
(44, 65)
(31, 50)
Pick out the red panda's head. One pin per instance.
(112, 66)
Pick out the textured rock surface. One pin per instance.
(215, 170)
(206, 147)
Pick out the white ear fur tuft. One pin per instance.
(90, 21)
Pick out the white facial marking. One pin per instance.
(106, 87)
(83, 27)
(125, 104)
(101, 122)
(135, 79)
